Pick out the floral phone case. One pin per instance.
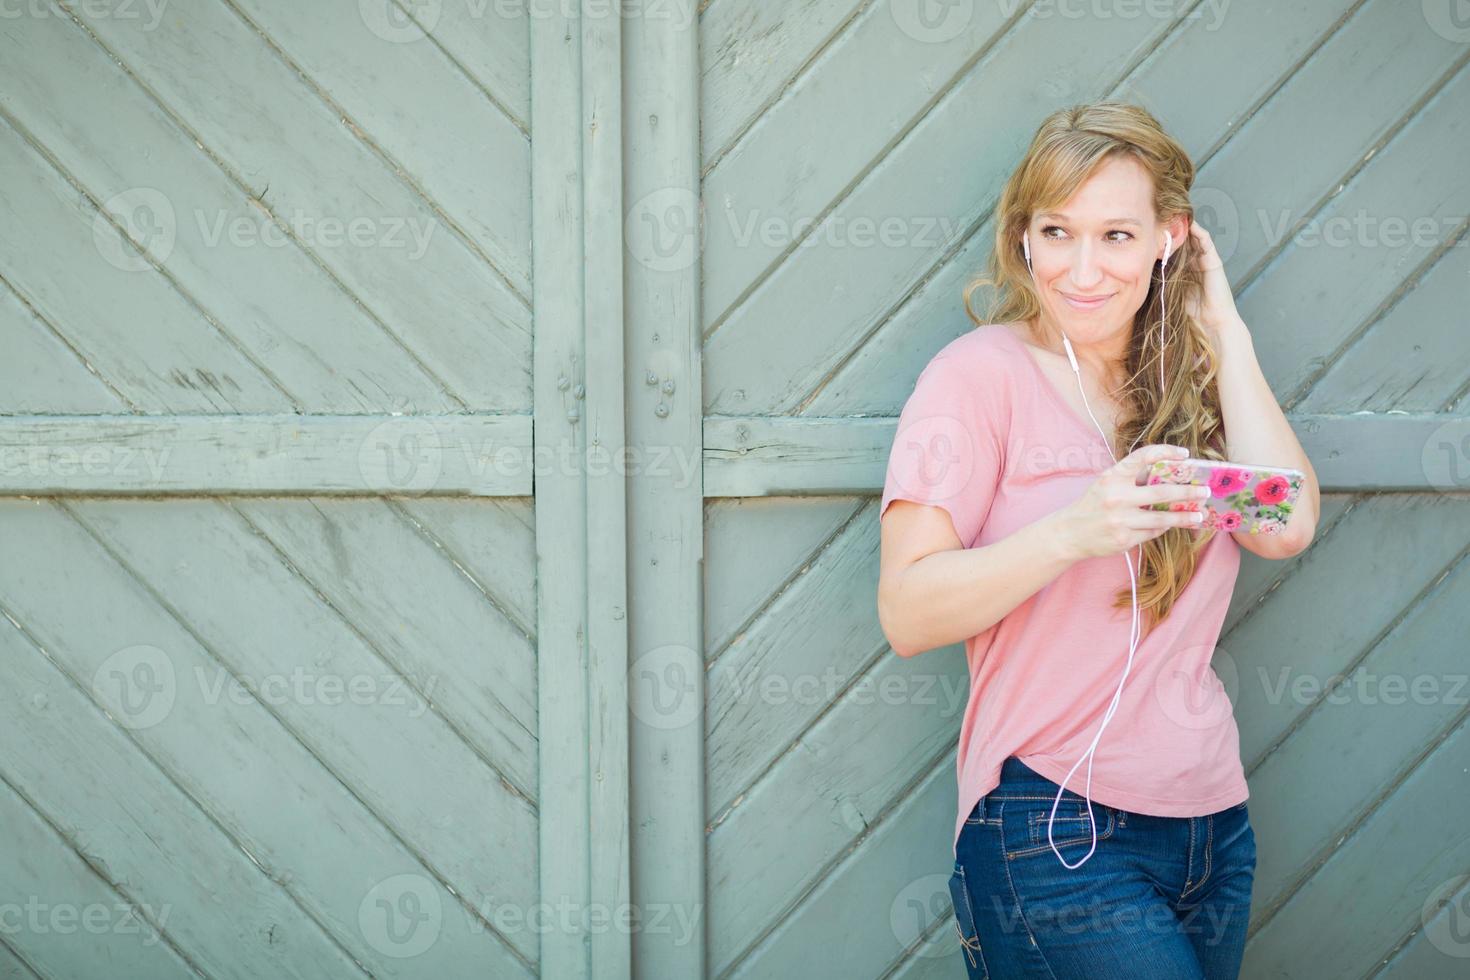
(1257, 499)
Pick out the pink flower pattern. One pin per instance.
(1240, 498)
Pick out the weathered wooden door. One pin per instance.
(441, 443)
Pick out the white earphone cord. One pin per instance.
(1133, 631)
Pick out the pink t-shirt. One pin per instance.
(987, 437)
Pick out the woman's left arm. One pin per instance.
(1256, 430)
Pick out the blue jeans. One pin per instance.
(1161, 898)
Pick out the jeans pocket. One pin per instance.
(1032, 829)
(964, 915)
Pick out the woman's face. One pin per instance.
(1093, 257)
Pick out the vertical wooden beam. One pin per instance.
(665, 514)
(607, 514)
(581, 531)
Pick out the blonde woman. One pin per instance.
(1102, 828)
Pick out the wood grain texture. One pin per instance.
(458, 455)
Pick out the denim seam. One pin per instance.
(1016, 896)
(1188, 862)
(1209, 844)
(974, 927)
(1110, 826)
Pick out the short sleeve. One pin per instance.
(948, 448)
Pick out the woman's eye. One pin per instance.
(1047, 233)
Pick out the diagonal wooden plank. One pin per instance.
(378, 726)
(420, 613)
(224, 255)
(490, 41)
(817, 800)
(937, 956)
(757, 548)
(180, 364)
(50, 891)
(1358, 249)
(138, 828)
(1412, 359)
(439, 296)
(1374, 888)
(415, 109)
(492, 541)
(41, 372)
(12, 966)
(1435, 946)
(862, 911)
(791, 663)
(1259, 577)
(1316, 623)
(1410, 686)
(768, 192)
(245, 763)
(750, 56)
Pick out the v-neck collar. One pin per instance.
(1051, 390)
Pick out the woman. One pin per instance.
(1013, 518)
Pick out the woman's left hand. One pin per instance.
(1219, 305)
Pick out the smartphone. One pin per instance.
(1243, 497)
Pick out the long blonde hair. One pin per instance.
(1068, 147)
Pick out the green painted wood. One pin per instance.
(1352, 247)
(1371, 894)
(1396, 699)
(860, 919)
(944, 168)
(665, 514)
(820, 631)
(608, 773)
(420, 611)
(13, 967)
(580, 506)
(492, 540)
(83, 918)
(217, 249)
(41, 372)
(181, 364)
(468, 158)
(258, 453)
(180, 820)
(289, 148)
(758, 541)
(749, 54)
(385, 727)
(1391, 547)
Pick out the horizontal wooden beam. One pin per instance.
(491, 455)
(419, 455)
(761, 456)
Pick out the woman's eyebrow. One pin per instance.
(1110, 221)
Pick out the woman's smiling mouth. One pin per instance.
(1085, 303)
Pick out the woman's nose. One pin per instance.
(1085, 270)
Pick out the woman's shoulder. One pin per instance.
(989, 350)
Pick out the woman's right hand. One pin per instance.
(1114, 514)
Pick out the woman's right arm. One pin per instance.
(933, 591)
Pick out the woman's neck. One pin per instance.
(1104, 360)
